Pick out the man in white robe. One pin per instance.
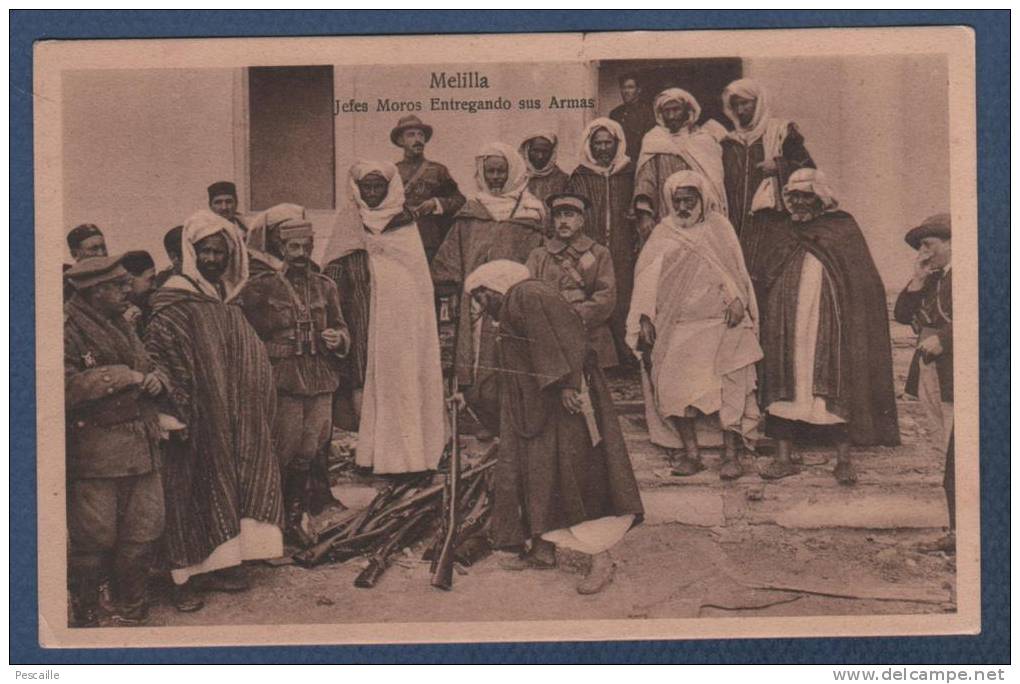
(402, 428)
(693, 320)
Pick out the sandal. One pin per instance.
(777, 470)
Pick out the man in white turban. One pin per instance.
(564, 477)
(677, 143)
(694, 320)
(402, 423)
(759, 155)
(605, 176)
(223, 495)
(503, 220)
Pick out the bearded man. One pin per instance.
(545, 177)
(605, 177)
(827, 372)
(677, 143)
(694, 321)
(502, 221)
(222, 479)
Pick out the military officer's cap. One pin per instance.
(567, 199)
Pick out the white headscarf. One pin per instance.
(201, 225)
(499, 275)
(258, 231)
(513, 199)
(687, 179)
(616, 130)
(814, 181)
(548, 168)
(351, 221)
(697, 145)
(749, 90)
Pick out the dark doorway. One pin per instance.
(292, 136)
(705, 79)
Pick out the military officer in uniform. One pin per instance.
(296, 312)
(115, 510)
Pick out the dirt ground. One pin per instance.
(705, 549)
(663, 571)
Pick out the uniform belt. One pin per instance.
(284, 349)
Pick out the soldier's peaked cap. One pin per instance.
(567, 199)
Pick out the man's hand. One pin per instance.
(922, 269)
(151, 384)
(768, 167)
(734, 313)
(333, 338)
(647, 334)
(571, 399)
(457, 401)
(429, 206)
(931, 346)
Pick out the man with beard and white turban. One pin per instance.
(677, 143)
(502, 221)
(759, 155)
(402, 424)
(605, 177)
(545, 177)
(564, 477)
(827, 373)
(222, 479)
(694, 320)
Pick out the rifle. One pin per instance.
(448, 319)
(404, 536)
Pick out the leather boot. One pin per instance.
(85, 576)
(295, 494)
(131, 570)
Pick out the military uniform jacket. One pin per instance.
(426, 181)
(112, 426)
(273, 302)
(929, 311)
(582, 272)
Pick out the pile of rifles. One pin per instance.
(449, 518)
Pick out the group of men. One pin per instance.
(717, 264)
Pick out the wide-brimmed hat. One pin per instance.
(410, 121)
(95, 271)
(939, 226)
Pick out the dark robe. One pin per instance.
(222, 389)
(610, 223)
(930, 311)
(636, 119)
(475, 239)
(853, 358)
(550, 184)
(549, 476)
(743, 177)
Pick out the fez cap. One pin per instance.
(172, 240)
(81, 233)
(938, 226)
(409, 121)
(94, 271)
(222, 188)
(138, 261)
(567, 199)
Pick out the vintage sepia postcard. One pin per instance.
(476, 338)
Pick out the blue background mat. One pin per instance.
(993, 100)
